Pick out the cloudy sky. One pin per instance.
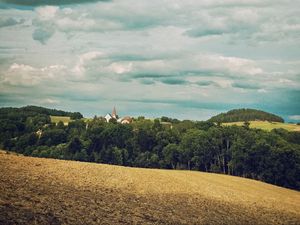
(183, 59)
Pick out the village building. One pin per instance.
(126, 120)
(113, 115)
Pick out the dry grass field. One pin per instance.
(266, 125)
(48, 191)
(64, 119)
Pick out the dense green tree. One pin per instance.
(53, 137)
(171, 155)
(26, 140)
(144, 159)
(81, 155)
(117, 156)
(75, 145)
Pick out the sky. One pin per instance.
(183, 59)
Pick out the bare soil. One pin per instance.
(48, 191)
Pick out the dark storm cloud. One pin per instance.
(246, 85)
(202, 33)
(43, 35)
(174, 81)
(149, 75)
(11, 99)
(205, 83)
(188, 103)
(6, 22)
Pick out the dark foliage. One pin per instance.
(273, 157)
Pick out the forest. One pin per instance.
(272, 157)
(237, 115)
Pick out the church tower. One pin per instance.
(114, 113)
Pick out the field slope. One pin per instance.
(47, 191)
(266, 125)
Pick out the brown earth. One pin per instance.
(48, 191)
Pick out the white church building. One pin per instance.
(113, 115)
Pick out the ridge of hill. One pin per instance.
(237, 115)
(48, 191)
(30, 110)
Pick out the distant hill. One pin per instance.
(27, 111)
(47, 191)
(15, 122)
(237, 115)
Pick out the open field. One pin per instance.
(86, 120)
(48, 191)
(64, 119)
(266, 125)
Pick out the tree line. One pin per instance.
(272, 157)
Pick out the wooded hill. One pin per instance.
(237, 115)
(17, 121)
(31, 110)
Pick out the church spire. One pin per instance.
(114, 113)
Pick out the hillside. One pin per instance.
(237, 115)
(31, 111)
(17, 121)
(48, 191)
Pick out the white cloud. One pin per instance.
(262, 90)
(120, 68)
(50, 101)
(21, 67)
(223, 83)
(204, 63)
(80, 67)
(285, 81)
(20, 74)
(295, 117)
(26, 75)
(233, 65)
(67, 11)
(47, 12)
(67, 20)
